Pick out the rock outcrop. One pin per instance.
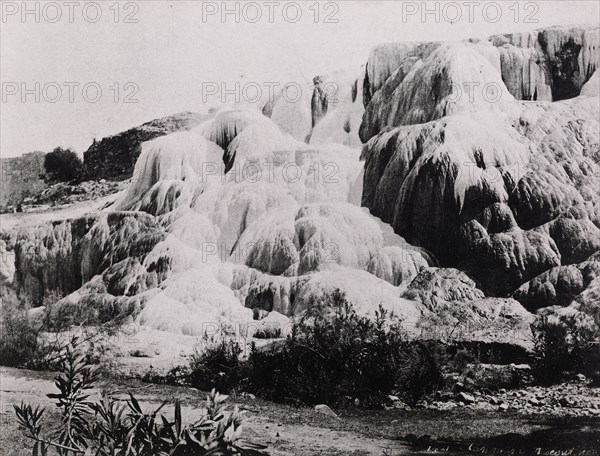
(225, 223)
(341, 123)
(562, 285)
(458, 310)
(115, 156)
(408, 83)
(277, 238)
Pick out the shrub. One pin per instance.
(18, 338)
(52, 320)
(26, 341)
(63, 165)
(21, 341)
(108, 428)
(333, 358)
(585, 345)
(496, 377)
(487, 366)
(88, 310)
(569, 344)
(217, 366)
(551, 350)
(178, 375)
(420, 372)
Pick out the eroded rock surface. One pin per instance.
(63, 256)
(503, 189)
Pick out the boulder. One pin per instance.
(325, 410)
(466, 398)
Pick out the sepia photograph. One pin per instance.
(299, 228)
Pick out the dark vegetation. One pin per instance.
(336, 357)
(565, 347)
(63, 165)
(342, 358)
(218, 367)
(20, 342)
(21, 338)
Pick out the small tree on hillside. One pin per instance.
(63, 165)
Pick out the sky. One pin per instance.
(75, 71)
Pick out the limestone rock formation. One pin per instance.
(332, 114)
(341, 123)
(320, 100)
(408, 83)
(291, 111)
(65, 255)
(458, 310)
(550, 64)
(480, 195)
(500, 188)
(217, 222)
(562, 285)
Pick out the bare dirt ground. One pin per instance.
(300, 431)
(278, 428)
(40, 216)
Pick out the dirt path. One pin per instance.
(9, 221)
(272, 428)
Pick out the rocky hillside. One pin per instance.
(115, 156)
(22, 177)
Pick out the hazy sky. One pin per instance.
(163, 60)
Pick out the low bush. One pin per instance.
(89, 311)
(565, 346)
(39, 342)
(177, 375)
(268, 332)
(52, 319)
(421, 370)
(109, 428)
(335, 357)
(339, 357)
(216, 366)
(496, 377)
(21, 341)
(18, 338)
